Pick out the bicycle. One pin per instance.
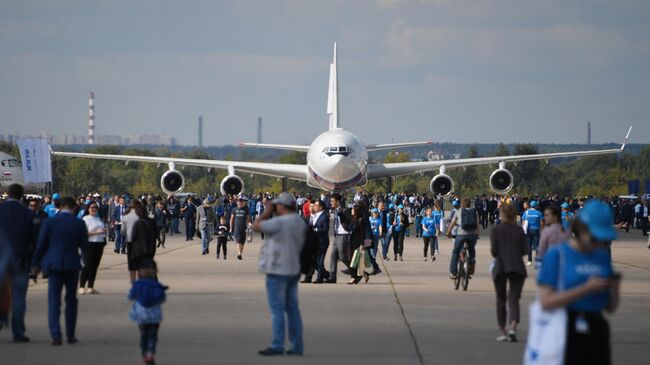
(463, 276)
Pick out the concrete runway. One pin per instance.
(216, 313)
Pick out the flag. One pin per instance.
(36, 159)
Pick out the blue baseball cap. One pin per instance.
(597, 216)
(375, 210)
(56, 196)
(455, 203)
(400, 206)
(533, 204)
(391, 206)
(565, 205)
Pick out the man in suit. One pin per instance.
(116, 219)
(16, 226)
(57, 254)
(321, 225)
(341, 250)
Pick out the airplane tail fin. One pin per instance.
(333, 95)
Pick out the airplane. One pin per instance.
(11, 172)
(338, 160)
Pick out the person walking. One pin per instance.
(578, 275)
(341, 250)
(143, 239)
(160, 216)
(93, 251)
(532, 220)
(508, 246)
(384, 236)
(222, 238)
(321, 225)
(553, 232)
(280, 261)
(16, 227)
(400, 225)
(429, 234)
(116, 221)
(360, 238)
(128, 222)
(205, 218)
(240, 219)
(57, 254)
(147, 295)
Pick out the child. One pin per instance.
(222, 237)
(148, 295)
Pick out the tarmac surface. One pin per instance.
(216, 313)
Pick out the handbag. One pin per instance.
(546, 343)
(356, 257)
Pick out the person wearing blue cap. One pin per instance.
(578, 276)
(532, 222)
(567, 215)
(53, 208)
(400, 224)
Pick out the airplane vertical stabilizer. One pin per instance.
(333, 95)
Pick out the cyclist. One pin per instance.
(467, 221)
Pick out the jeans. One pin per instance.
(148, 338)
(430, 244)
(398, 242)
(175, 222)
(57, 280)
(282, 294)
(375, 244)
(205, 238)
(189, 228)
(418, 226)
(119, 240)
(458, 246)
(162, 235)
(19, 284)
(385, 244)
(533, 242)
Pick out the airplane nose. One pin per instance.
(337, 168)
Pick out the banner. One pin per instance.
(633, 187)
(36, 157)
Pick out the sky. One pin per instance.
(409, 70)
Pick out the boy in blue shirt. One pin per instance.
(147, 295)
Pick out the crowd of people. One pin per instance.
(546, 232)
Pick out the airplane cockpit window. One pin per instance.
(337, 150)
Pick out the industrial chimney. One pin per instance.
(91, 118)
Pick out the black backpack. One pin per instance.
(309, 253)
(468, 219)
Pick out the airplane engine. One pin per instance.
(232, 185)
(501, 181)
(172, 182)
(442, 184)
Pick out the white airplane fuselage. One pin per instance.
(337, 160)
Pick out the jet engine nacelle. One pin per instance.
(442, 184)
(172, 182)
(501, 181)
(232, 185)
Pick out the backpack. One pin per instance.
(468, 219)
(309, 253)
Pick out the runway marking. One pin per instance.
(401, 308)
(43, 281)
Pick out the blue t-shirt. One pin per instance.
(437, 216)
(375, 223)
(567, 217)
(397, 227)
(578, 268)
(430, 224)
(534, 218)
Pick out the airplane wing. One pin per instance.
(295, 172)
(378, 171)
(286, 147)
(377, 147)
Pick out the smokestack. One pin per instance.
(91, 118)
(259, 130)
(588, 132)
(200, 131)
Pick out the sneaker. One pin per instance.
(294, 353)
(433, 258)
(271, 352)
(529, 263)
(453, 276)
(437, 253)
(81, 291)
(503, 338)
(148, 360)
(512, 336)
